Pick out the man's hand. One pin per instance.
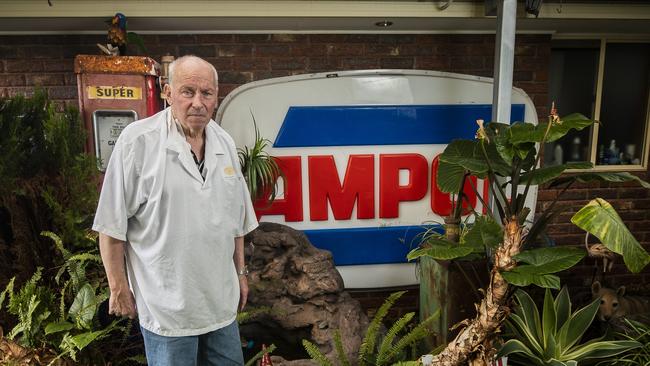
(122, 303)
(243, 292)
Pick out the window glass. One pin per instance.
(624, 104)
(572, 85)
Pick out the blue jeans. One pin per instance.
(221, 347)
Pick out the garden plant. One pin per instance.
(553, 337)
(508, 157)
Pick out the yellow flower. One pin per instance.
(480, 133)
(554, 118)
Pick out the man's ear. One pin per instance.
(167, 92)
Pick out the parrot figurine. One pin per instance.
(118, 37)
(117, 32)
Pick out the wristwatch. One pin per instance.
(243, 271)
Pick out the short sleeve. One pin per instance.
(248, 219)
(118, 198)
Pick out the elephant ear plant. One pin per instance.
(508, 158)
(553, 339)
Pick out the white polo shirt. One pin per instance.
(179, 228)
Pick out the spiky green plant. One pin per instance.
(553, 339)
(370, 352)
(260, 170)
(638, 332)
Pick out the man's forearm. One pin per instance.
(112, 252)
(238, 257)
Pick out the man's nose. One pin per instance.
(197, 101)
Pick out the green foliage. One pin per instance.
(507, 156)
(47, 182)
(553, 339)
(260, 170)
(600, 219)
(70, 328)
(637, 332)
(542, 263)
(390, 348)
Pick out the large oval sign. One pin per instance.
(358, 150)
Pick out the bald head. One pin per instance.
(190, 60)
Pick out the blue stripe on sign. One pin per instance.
(383, 125)
(388, 244)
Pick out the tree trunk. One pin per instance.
(473, 345)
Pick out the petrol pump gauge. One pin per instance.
(107, 126)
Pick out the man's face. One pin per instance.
(193, 97)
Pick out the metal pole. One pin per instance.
(504, 56)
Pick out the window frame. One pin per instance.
(593, 136)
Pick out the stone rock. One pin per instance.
(305, 294)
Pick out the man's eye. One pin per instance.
(187, 93)
(208, 94)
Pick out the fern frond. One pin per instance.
(340, 352)
(315, 353)
(246, 316)
(62, 306)
(417, 333)
(58, 243)
(370, 339)
(9, 289)
(387, 342)
(87, 256)
(259, 354)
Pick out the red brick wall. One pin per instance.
(47, 61)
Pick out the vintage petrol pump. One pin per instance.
(113, 92)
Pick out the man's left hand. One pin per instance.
(243, 292)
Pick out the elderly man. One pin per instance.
(174, 206)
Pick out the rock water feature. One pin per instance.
(304, 292)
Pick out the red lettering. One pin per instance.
(440, 201)
(391, 193)
(358, 186)
(291, 205)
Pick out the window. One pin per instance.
(608, 81)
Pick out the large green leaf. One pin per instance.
(485, 232)
(527, 132)
(515, 346)
(549, 317)
(573, 330)
(83, 307)
(600, 219)
(528, 311)
(601, 177)
(551, 259)
(546, 174)
(542, 263)
(522, 276)
(602, 350)
(466, 154)
(449, 177)
(562, 306)
(82, 340)
(58, 327)
(447, 251)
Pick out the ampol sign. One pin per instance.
(358, 150)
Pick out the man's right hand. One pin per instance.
(122, 303)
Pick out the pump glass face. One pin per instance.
(107, 126)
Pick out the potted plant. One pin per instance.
(508, 157)
(260, 170)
